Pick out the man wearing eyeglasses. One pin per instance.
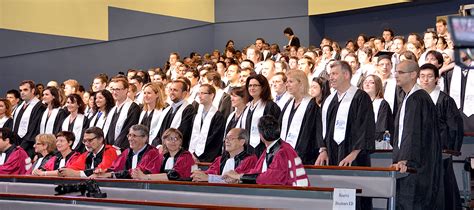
(98, 155)
(208, 127)
(140, 155)
(12, 158)
(417, 144)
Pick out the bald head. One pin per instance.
(409, 66)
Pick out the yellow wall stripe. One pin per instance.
(318, 7)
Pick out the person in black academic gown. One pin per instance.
(27, 117)
(300, 120)
(6, 120)
(76, 121)
(152, 111)
(451, 131)
(260, 104)
(179, 114)
(417, 144)
(461, 90)
(54, 115)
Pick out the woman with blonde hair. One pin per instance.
(153, 105)
(300, 119)
(45, 145)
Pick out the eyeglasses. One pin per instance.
(88, 140)
(38, 143)
(254, 85)
(131, 135)
(203, 93)
(116, 89)
(172, 139)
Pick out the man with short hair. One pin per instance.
(416, 144)
(122, 116)
(278, 86)
(138, 82)
(71, 86)
(397, 47)
(275, 52)
(236, 157)
(268, 69)
(193, 76)
(253, 54)
(441, 27)
(232, 75)
(379, 44)
(244, 74)
(99, 156)
(140, 156)
(27, 117)
(13, 159)
(99, 83)
(392, 93)
(279, 164)
(388, 35)
(357, 74)
(430, 39)
(14, 97)
(208, 127)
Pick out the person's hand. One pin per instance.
(401, 166)
(347, 161)
(67, 172)
(37, 172)
(231, 177)
(199, 176)
(138, 174)
(323, 159)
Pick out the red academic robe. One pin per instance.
(285, 167)
(149, 161)
(15, 163)
(244, 162)
(107, 158)
(183, 163)
(53, 163)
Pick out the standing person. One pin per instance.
(6, 120)
(301, 119)
(239, 101)
(53, 115)
(415, 146)
(278, 84)
(319, 90)
(14, 97)
(451, 131)
(151, 115)
(75, 122)
(462, 91)
(293, 41)
(260, 103)
(104, 102)
(27, 116)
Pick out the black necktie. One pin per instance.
(113, 123)
(18, 118)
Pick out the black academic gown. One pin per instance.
(185, 127)
(310, 132)
(421, 148)
(80, 147)
(121, 141)
(58, 122)
(384, 120)
(451, 133)
(28, 140)
(8, 124)
(295, 42)
(360, 131)
(225, 106)
(271, 108)
(214, 139)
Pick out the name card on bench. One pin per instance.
(344, 199)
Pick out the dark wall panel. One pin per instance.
(232, 10)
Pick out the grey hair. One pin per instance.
(143, 130)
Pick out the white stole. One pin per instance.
(38, 163)
(169, 163)
(435, 94)
(199, 135)
(257, 113)
(229, 165)
(389, 93)
(122, 116)
(239, 121)
(3, 156)
(179, 114)
(155, 125)
(3, 120)
(455, 91)
(98, 122)
(341, 116)
(356, 77)
(402, 113)
(25, 118)
(217, 98)
(284, 98)
(294, 128)
(376, 106)
(76, 129)
(47, 127)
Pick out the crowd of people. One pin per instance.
(258, 114)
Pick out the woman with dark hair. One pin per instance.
(144, 75)
(238, 99)
(293, 41)
(76, 122)
(6, 120)
(361, 40)
(230, 43)
(63, 158)
(177, 162)
(319, 90)
(90, 108)
(104, 102)
(260, 103)
(383, 115)
(54, 114)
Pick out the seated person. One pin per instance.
(279, 164)
(236, 157)
(12, 158)
(44, 149)
(63, 158)
(98, 155)
(140, 156)
(177, 162)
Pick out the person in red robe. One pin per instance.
(12, 158)
(99, 155)
(236, 157)
(279, 164)
(140, 156)
(176, 163)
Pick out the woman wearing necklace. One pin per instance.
(300, 121)
(177, 162)
(6, 120)
(383, 115)
(44, 148)
(63, 158)
(153, 104)
(239, 101)
(75, 122)
(260, 104)
(54, 114)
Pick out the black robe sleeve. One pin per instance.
(133, 116)
(384, 121)
(58, 123)
(271, 108)
(295, 42)
(186, 126)
(225, 106)
(28, 140)
(450, 123)
(214, 139)
(8, 124)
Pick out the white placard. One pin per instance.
(344, 199)
(472, 163)
(215, 179)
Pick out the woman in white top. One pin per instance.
(6, 120)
